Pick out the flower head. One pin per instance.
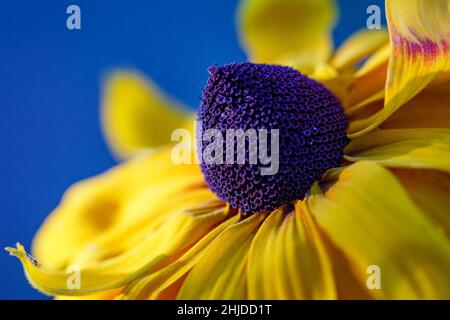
(310, 124)
(152, 229)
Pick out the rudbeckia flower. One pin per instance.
(373, 194)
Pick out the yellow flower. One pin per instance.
(150, 229)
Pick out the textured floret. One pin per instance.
(311, 125)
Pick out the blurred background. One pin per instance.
(50, 89)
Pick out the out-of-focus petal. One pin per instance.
(376, 59)
(420, 53)
(127, 235)
(136, 116)
(330, 78)
(430, 191)
(404, 148)
(296, 31)
(371, 219)
(160, 247)
(130, 196)
(287, 259)
(358, 46)
(369, 81)
(221, 271)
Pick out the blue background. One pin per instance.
(49, 91)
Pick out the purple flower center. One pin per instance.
(311, 132)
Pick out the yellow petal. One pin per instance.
(101, 295)
(368, 82)
(370, 218)
(358, 46)
(150, 287)
(405, 148)
(429, 109)
(330, 78)
(287, 259)
(348, 287)
(420, 33)
(125, 196)
(362, 110)
(378, 58)
(220, 273)
(299, 31)
(126, 236)
(136, 116)
(420, 53)
(430, 191)
(159, 248)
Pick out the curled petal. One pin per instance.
(420, 53)
(159, 248)
(131, 196)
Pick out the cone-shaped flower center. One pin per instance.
(292, 129)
